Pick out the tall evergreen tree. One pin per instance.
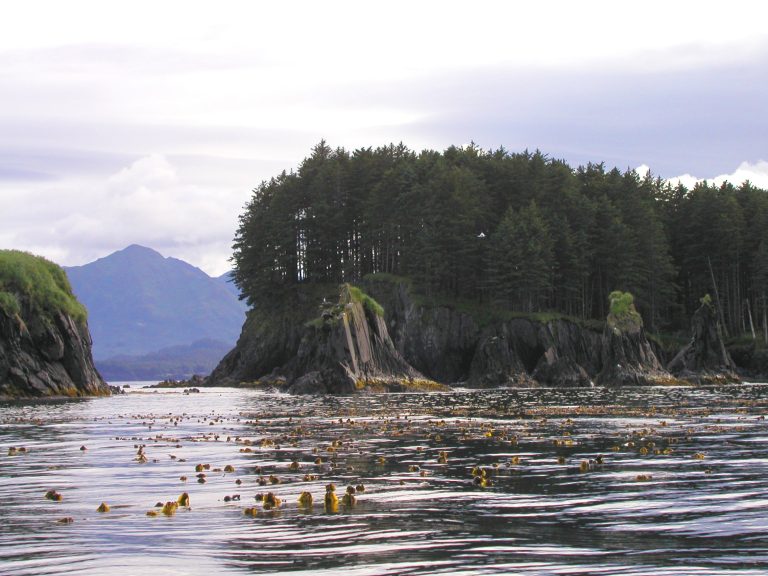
(521, 231)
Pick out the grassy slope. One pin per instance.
(42, 282)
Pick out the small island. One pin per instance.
(478, 268)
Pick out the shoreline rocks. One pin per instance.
(46, 356)
(346, 348)
(705, 360)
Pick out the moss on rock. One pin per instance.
(42, 283)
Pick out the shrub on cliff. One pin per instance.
(357, 295)
(40, 281)
(622, 314)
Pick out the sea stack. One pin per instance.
(705, 360)
(348, 349)
(627, 357)
(45, 346)
(338, 346)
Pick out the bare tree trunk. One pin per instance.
(717, 298)
(751, 324)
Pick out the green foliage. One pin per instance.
(9, 303)
(40, 281)
(521, 233)
(521, 263)
(706, 300)
(622, 303)
(622, 313)
(368, 303)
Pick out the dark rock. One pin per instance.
(436, 340)
(750, 359)
(569, 358)
(449, 346)
(46, 355)
(556, 370)
(497, 363)
(321, 382)
(348, 350)
(627, 356)
(705, 359)
(348, 347)
(268, 340)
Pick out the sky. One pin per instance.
(152, 122)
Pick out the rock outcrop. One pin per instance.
(436, 340)
(344, 349)
(268, 341)
(348, 349)
(526, 352)
(348, 346)
(627, 357)
(449, 345)
(705, 360)
(46, 355)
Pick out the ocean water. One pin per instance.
(540, 481)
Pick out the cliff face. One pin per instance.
(704, 359)
(349, 345)
(628, 359)
(436, 341)
(266, 344)
(344, 348)
(46, 355)
(449, 346)
(348, 349)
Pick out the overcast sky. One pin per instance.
(151, 122)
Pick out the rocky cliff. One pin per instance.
(344, 348)
(347, 344)
(627, 357)
(451, 346)
(705, 359)
(45, 346)
(337, 348)
(348, 348)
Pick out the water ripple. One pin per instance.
(597, 481)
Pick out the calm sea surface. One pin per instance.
(682, 487)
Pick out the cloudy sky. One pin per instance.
(151, 122)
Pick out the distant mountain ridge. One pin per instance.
(175, 362)
(140, 302)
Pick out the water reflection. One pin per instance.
(630, 481)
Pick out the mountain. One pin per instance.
(228, 281)
(175, 362)
(140, 302)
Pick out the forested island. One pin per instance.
(467, 248)
(519, 232)
(385, 269)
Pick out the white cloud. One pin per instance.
(151, 122)
(148, 202)
(396, 36)
(756, 173)
(153, 170)
(642, 170)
